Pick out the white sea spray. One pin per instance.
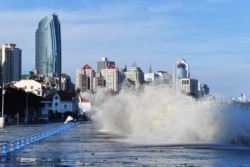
(159, 116)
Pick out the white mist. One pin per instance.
(159, 116)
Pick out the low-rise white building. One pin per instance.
(150, 77)
(31, 86)
(84, 104)
(62, 101)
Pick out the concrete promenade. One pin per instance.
(81, 145)
(14, 132)
(85, 145)
(14, 139)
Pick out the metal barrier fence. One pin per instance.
(24, 141)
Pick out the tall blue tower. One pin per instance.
(48, 47)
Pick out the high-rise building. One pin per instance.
(48, 47)
(103, 64)
(182, 69)
(11, 66)
(84, 78)
(67, 83)
(184, 84)
(113, 77)
(135, 75)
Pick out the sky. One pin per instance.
(213, 36)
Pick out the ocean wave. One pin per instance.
(160, 116)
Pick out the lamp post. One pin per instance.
(2, 125)
(72, 106)
(26, 109)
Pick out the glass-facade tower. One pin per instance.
(182, 69)
(48, 47)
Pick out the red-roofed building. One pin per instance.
(84, 100)
(112, 66)
(84, 78)
(84, 104)
(85, 67)
(113, 77)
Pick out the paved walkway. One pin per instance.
(14, 132)
(84, 145)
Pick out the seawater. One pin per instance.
(158, 115)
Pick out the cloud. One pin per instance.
(147, 33)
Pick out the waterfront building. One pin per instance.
(134, 75)
(30, 86)
(113, 78)
(184, 84)
(10, 66)
(84, 78)
(62, 101)
(48, 47)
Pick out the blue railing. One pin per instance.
(14, 145)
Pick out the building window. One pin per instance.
(185, 82)
(56, 104)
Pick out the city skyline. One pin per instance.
(211, 35)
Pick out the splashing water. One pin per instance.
(159, 116)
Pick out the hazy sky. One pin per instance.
(213, 36)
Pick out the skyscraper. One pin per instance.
(10, 67)
(48, 47)
(182, 69)
(103, 64)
